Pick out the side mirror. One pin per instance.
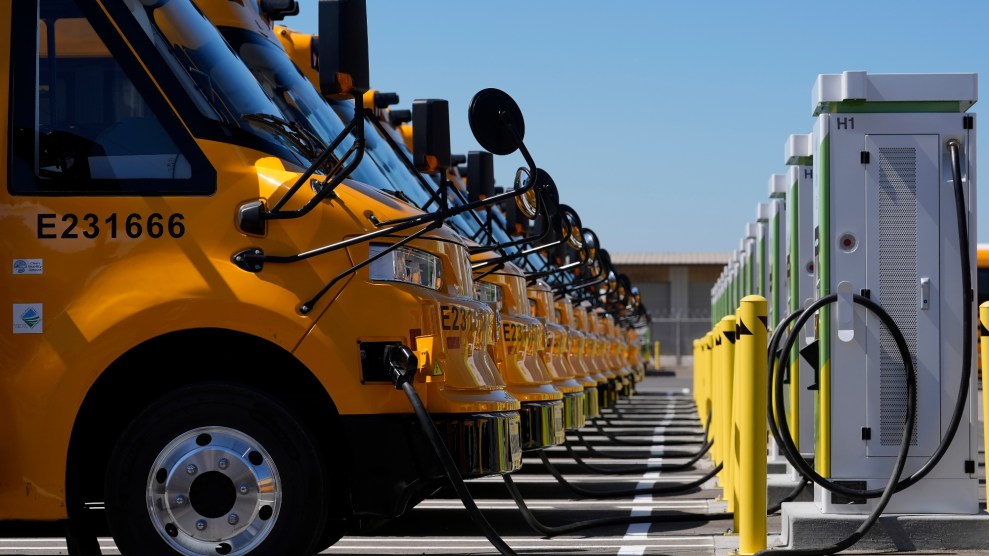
(542, 191)
(591, 244)
(480, 175)
(342, 48)
(594, 268)
(379, 100)
(624, 289)
(496, 121)
(277, 10)
(612, 281)
(431, 135)
(635, 299)
(605, 259)
(571, 227)
(546, 192)
(399, 117)
(528, 202)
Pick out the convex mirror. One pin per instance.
(496, 121)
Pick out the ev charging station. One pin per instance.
(750, 261)
(798, 155)
(742, 277)
(720, 297)
(778, 282)
(723, 293)
(728, 286)
(735, 278)
(723, 297)
(767, 243)
(888, 230)
(762, 250)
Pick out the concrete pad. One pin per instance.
(725, 545)
(804, 526)
(775, 468)
(779, 486)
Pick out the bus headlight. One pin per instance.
(489, 293)
(405, 264)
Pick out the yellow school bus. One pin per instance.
(210, 308)
(519, 358)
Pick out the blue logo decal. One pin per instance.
(31, 317)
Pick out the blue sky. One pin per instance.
(660, 121)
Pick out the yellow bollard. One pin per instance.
(710, 387)
(705, 378)
(749, 430)
(697, 371)
(729, 434)
(715, 370)
(715, 392)
(728, 327)
(701, 367)
(709, 364)
(655, 355)
(793, 419)
(984, 347)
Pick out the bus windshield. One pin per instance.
(294, 95)
(218, 83)
(400, 180)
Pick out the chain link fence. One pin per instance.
(677, 332)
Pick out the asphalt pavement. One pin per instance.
(634, 462)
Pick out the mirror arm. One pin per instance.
(511, 256)
(502, 246)
(556, 271)
(542, 247)
(533, 179)
(483, 227)
(466, 207)
(252, 259)
(491, 270)
(582, 286)
(508, 257)
(494, 199)
(521, 241)
(330, 182)
(489, 222)
(276, 209)
(409, 165)
(533, 171)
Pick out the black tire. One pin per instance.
(176, 467)
(332, 532)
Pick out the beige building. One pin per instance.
(676, 289)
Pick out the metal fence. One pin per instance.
(677, 333)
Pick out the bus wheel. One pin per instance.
(215, 469)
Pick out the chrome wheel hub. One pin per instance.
(213, 490)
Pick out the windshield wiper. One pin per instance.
(399, 194)
(310, 146)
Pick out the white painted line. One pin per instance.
(579, 540)
(640, 531)
(638, 502)
(48, 546)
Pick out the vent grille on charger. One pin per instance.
(897, 283)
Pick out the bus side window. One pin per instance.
(80, 124)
